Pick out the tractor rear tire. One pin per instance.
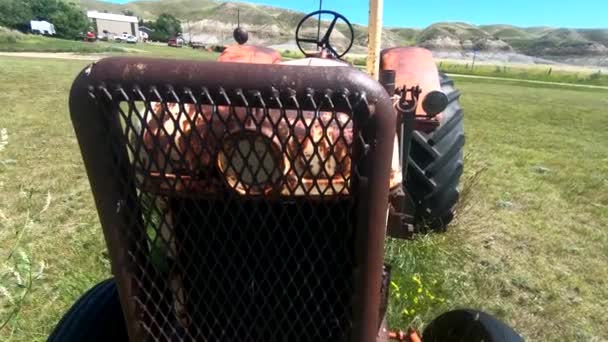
(96, 316)
(436, 164)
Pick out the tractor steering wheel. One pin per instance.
(323, 42)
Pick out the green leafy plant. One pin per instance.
(414, 297)
(17, 275)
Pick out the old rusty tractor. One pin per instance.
(249, 199)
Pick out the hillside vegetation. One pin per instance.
(212, 21)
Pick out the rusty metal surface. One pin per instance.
(250, 54)
(413, 66)
(316, 159)
(315, 143)
(410, 336)
(239, 261)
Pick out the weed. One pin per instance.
(9, 36)
(16, 281)
(413, 297)
(16, 272)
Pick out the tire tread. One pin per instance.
(436, 165)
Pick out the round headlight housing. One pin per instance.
(250, 163)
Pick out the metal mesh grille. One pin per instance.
(243, 225)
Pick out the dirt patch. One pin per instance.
(135, 50)
(53, 55)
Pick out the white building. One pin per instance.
(110, 24)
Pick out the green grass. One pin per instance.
(547, 74)
(153, 50)
(16, 42)
(11, 41)
(530, 244)
(41, 161)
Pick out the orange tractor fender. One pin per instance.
(250, 54)
(413, 66)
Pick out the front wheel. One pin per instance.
(436, 164)
(468, 325)
(96, 316)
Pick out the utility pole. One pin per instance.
(374, 37)
(475, 49)
(189, 32)
(319, 23)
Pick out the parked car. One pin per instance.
(122, 37)
(176, 42)
(126, 38)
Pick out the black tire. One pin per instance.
(96, 316)
(468, 325)
(436, 164)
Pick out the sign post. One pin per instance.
(374, 37)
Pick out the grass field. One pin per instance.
(530, 244)
(556, 74)
(11, 41)
(533, 73)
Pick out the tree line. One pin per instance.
(70, 20)
(163, 28)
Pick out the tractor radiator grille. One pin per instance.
(243, 223)
(239, 202)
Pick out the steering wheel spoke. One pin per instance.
(324, 42)
(330, 48)
(309, 40)
(330, 29)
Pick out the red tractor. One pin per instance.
(90, 37)
(249, 199)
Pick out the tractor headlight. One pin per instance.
(251, 163)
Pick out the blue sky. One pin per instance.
(421, 13)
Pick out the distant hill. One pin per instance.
(212, 22)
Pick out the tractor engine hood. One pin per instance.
(257, 151)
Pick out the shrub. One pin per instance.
(9, 36)
(596, 76)
(292, 54)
